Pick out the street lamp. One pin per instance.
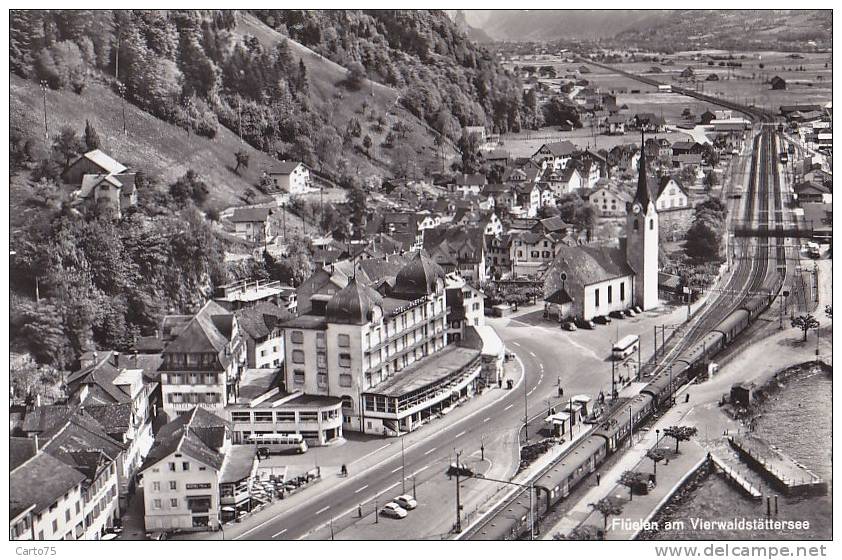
(631, 429)
(403, 468)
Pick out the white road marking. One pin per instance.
(358, 490)
(530, 392)
(430, 451)
(531, 353)
(508, 407)
(324, 509)
(487, 419)
(281, 532)
(460, 434)
(516, 343)
(381, 448)
(424, 468)
(396, 469)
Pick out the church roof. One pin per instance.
(584, 266)
(647, 188)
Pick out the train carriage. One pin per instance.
(733, 325)
(709, 345)
(615, 427)
(581, 461)
(509, 523)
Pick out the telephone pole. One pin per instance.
(46, 132)
(458, 499)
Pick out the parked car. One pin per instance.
(585, 324)
(406, 501)
(601, 319)
(630, 312)
(461, 470)
(393, 510)
(617, 315)
(568, 326)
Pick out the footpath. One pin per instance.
(756, 363)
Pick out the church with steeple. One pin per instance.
(587, 281)
(642, 238)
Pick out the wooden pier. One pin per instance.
(734, 476)
(784, 472)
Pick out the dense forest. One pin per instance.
(444, 78)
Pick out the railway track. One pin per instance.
(749, 276)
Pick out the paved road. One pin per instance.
(547, 354)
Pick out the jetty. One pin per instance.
(736, 477)
(784, 472)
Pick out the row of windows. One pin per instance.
(192, 378)
(156, 503)
(194, 398)
(610, 294)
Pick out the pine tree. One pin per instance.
(91, 137)
(303, 83)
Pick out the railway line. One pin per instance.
(748, 293)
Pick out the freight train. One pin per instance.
(583, 458)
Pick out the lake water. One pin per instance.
(798, 420)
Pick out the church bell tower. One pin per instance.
(642, 237)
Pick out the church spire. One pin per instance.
(642, 195)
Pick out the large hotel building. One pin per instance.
(382, 351)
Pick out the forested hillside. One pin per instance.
(352, 94)
(443, 77)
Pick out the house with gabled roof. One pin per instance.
(117, 191)
(203, 361)
(252, 224)
(95, 162)
(556, 154)
(289, 176)
(192, 470)
(467, 184)
(671, 194)
(120, 400)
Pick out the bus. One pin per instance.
(625, 347)
(278, 443)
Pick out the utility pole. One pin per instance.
(482, 447)
(122, 87)
(458, 498)
(525, 410)
(403, 468)
(240, 119)
(46, 131)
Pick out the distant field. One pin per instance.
(749, 83)
(524, 144)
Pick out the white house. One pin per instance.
(252, 224)
(610, 201)
(671, 194)
(190, 471)
(290, 176)
(466, 185)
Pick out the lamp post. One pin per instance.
(525, 410)
(458, 500)
(403, 468)
(631, 429)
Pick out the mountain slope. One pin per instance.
(153, 146)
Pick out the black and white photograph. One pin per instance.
(399, 274)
